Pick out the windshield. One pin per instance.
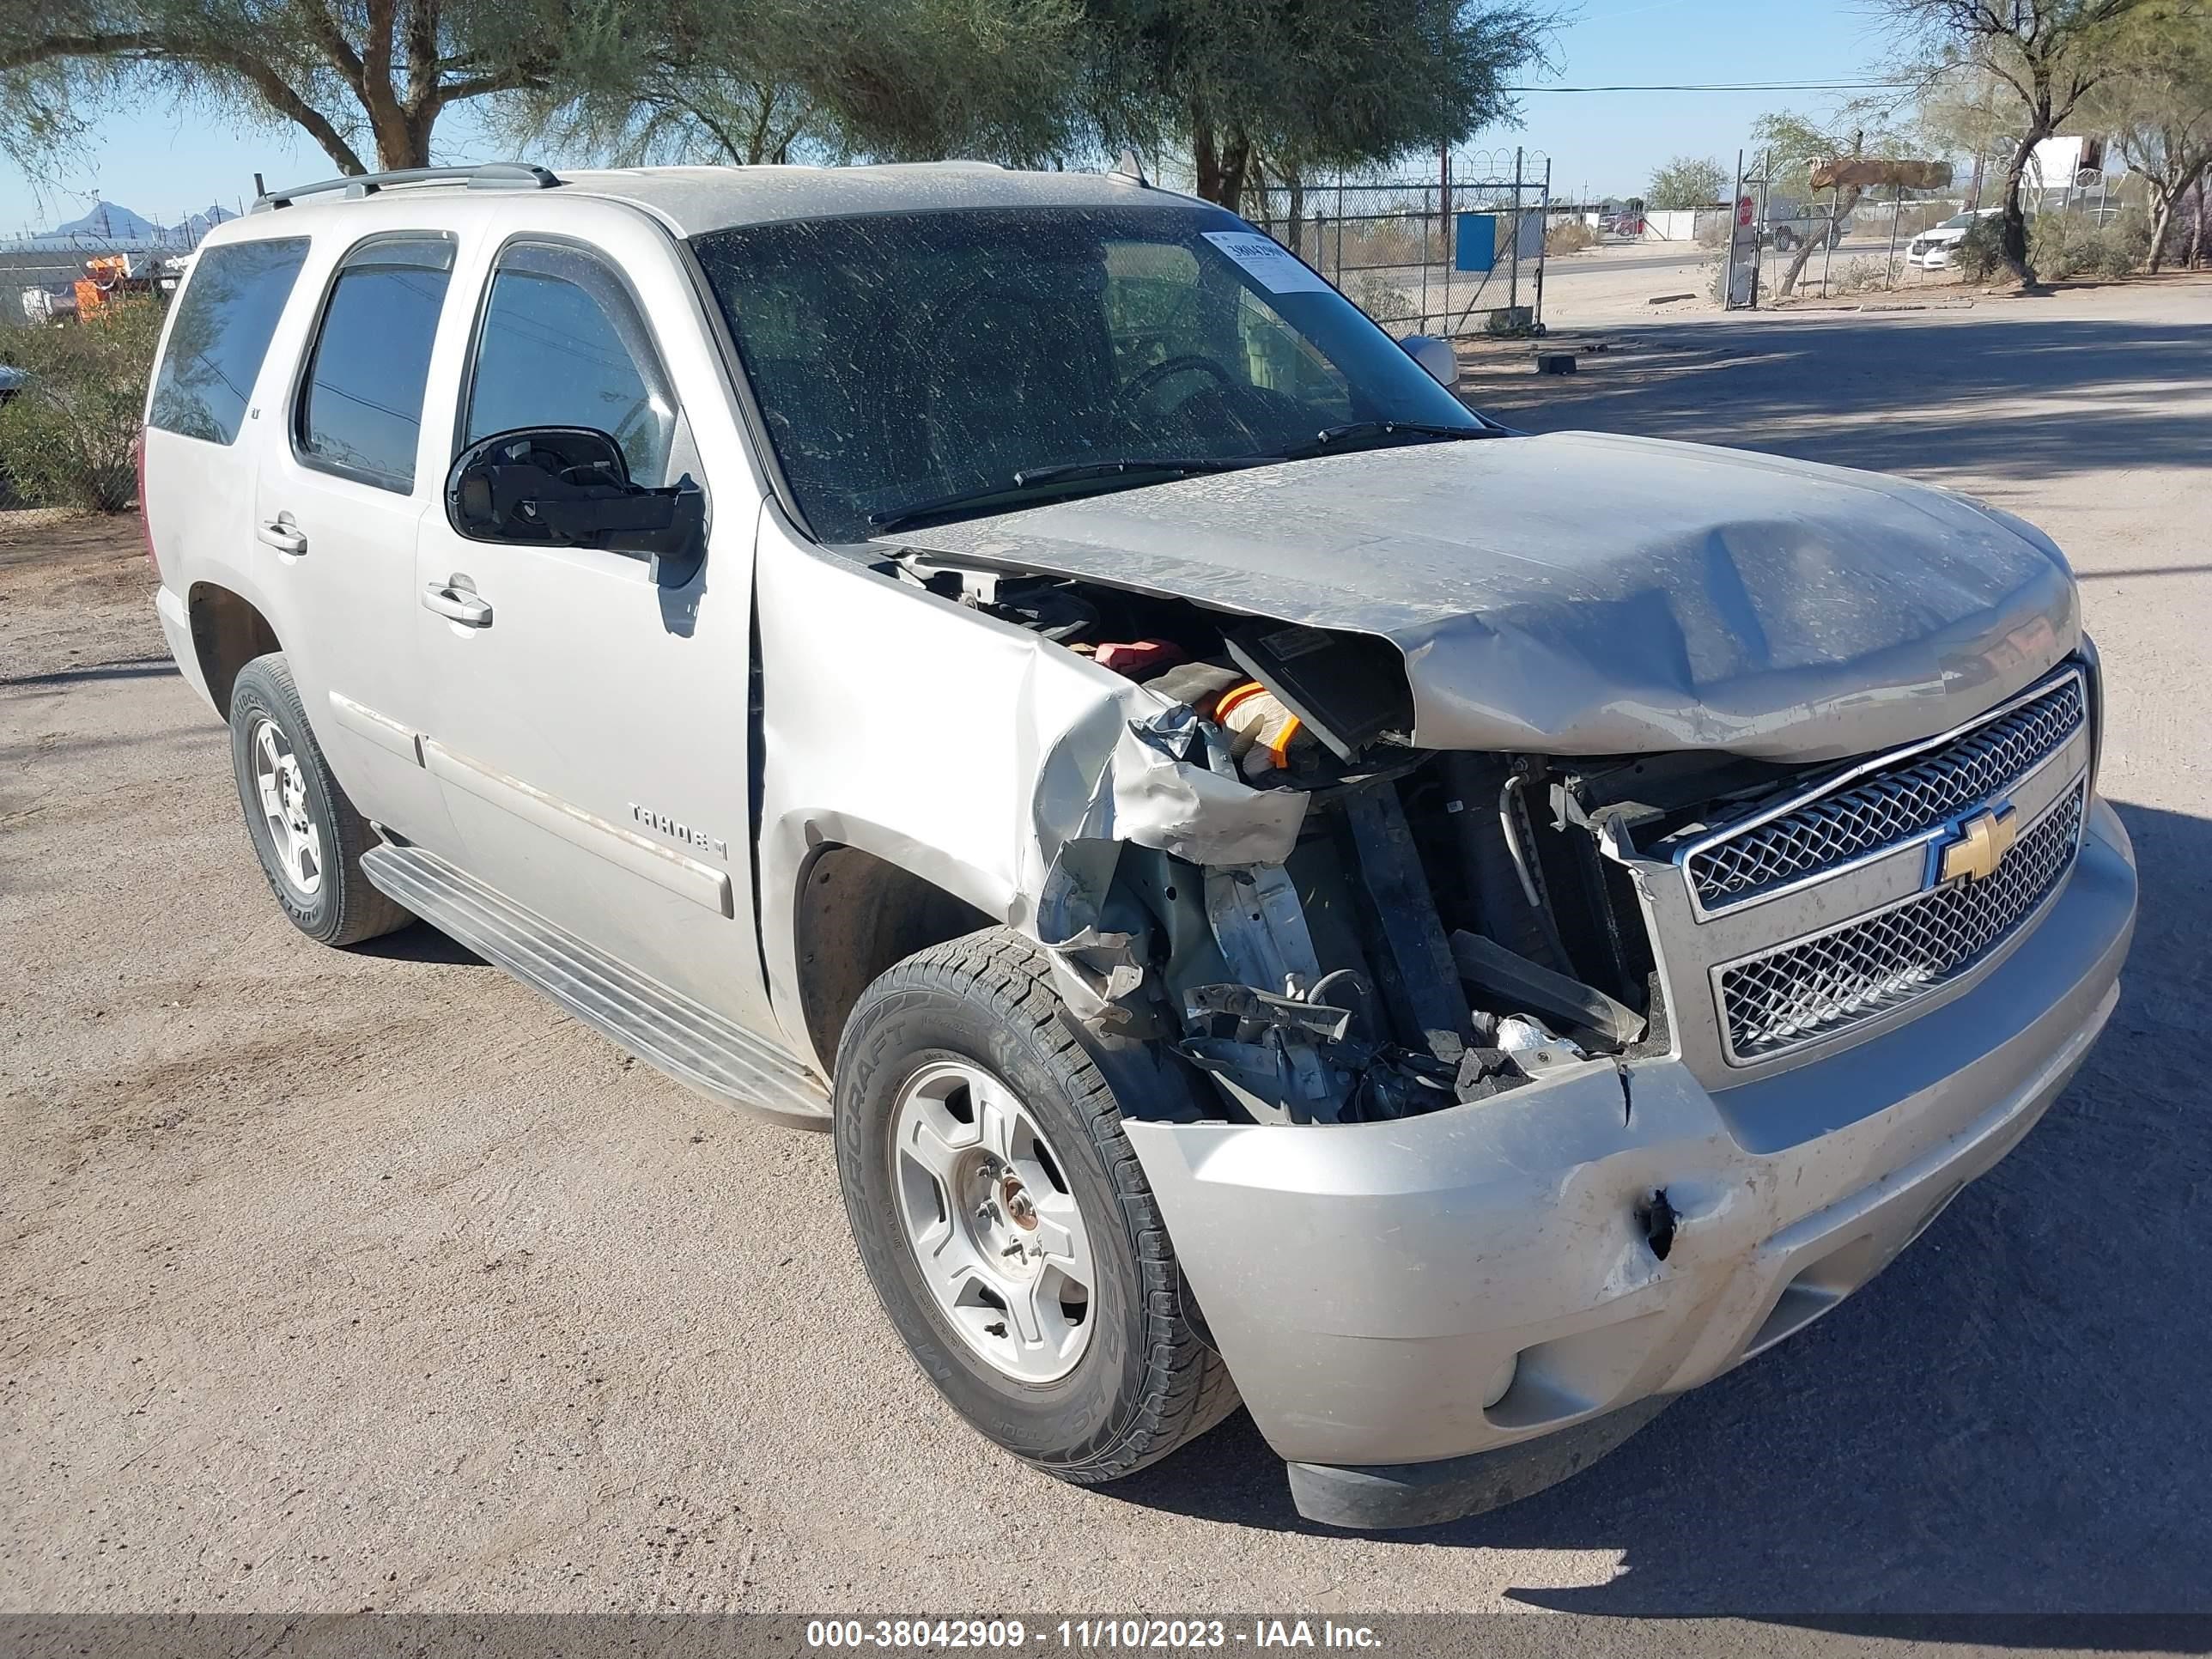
(904, 359)
(1957, 221)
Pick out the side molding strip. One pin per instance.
(379, 729)
(702, 883)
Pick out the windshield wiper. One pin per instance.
(1059, 472)
(1329, 436)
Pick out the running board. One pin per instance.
(664, 1028)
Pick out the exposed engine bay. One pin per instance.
(1448, 927)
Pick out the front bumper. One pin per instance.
(1364, 1282)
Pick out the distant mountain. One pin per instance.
(200, 223)
(109, 222)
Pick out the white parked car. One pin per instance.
(1932, 248)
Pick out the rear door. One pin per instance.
(200, 442)
(344, 481)
(590, 724)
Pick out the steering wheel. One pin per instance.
(1146, 378)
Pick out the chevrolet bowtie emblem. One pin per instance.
(1982, 843)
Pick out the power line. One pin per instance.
(1733, 86)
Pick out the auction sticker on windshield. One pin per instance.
(1277, 268)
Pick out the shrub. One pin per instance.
(1570, 236)
(1861, 277)
(1385, 301)
(2062, 244)
(1387, 241)
(1981, 253)
(66, 437)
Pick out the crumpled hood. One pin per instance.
(1583, 593)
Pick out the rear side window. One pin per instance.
(360, 410)
(224, 321)
(562, 345)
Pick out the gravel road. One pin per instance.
(356, 1279)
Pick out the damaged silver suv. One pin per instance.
(1281, 888)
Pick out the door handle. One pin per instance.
(281, 533)
(457, 604)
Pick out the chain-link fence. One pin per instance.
(1887, 238)
(47, 277)
(1459, 251)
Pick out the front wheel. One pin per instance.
(1005, 1221)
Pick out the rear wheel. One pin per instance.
(1005, 1221)
(304, 830)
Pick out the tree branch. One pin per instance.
(730, 147)
(150, 44)
(378, 94)
(522, 78)
(422, 49)
(287, 103)
(130, 44)
(335, 46)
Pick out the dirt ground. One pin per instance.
(332, 1280)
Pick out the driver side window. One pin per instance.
(1151, 302)
(561, 344)
(1282, 360)
(1162, 308)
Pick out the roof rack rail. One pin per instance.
(488, 175)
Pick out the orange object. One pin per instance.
(1261, 729)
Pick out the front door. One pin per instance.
(590, 731)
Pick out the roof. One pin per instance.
(690, 200)
(694, 199)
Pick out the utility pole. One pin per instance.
(1543, 218)
(1513, 270)
(1443, 210)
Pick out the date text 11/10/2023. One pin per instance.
(1122, 1633)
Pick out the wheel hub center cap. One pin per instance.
(1015, 1200)
(1004, 1221)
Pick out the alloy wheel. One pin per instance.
(986, 1210)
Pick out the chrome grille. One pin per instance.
(1891, 805)
(1819, 986)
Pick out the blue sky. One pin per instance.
(165, 166)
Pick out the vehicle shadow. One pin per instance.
(133, 668)
(2011, 1419)
(419, 943)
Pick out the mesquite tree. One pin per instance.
(1299, 83)
(2157, 104)
(731, 80)
(367, 80)
(2049, 54)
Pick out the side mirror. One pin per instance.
(568, 486)
(1435, 356)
